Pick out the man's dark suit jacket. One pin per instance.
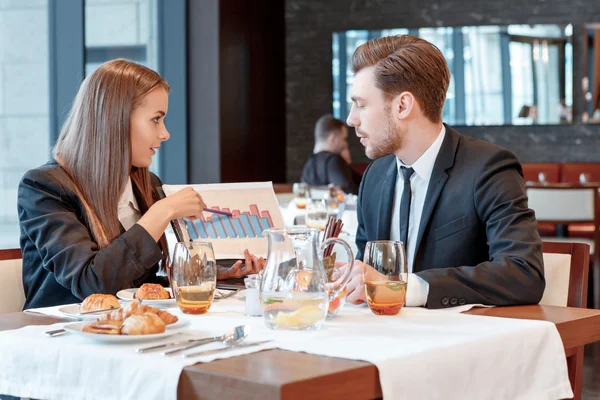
(478, 240)
(325, 167)
(61, 262)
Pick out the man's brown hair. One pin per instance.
(325, 126)
(407, 63)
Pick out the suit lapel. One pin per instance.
(387, 201)
(443, 162)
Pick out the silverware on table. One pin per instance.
(236, 335)
(233, 347)
(56, 332)
(99, 311)
(245, 328)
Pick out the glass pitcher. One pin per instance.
(294, 290)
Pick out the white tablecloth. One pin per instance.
(420, 354)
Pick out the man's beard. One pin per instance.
(390, 140)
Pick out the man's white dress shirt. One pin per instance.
(417, 289)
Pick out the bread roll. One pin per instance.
(152, 291)
(97, 302)
(144, 324)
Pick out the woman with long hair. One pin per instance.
(91, 219)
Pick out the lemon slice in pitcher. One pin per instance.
(304, 316)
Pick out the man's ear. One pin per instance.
(402, 105)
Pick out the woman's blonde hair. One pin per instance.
(94, 146)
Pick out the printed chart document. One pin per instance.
(254, 207)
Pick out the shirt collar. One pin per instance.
(128, 197)
(423, 167)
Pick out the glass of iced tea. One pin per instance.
(194, 276)
(385, 287)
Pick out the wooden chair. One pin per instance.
(12, 294)
(571, 172)
(576, 256)
(567, 204)
(531, 172)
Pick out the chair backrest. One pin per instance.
(563, 203)
(551, 171)
(566, 268)
(12, 294)
(571, 172)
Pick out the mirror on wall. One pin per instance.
(501, 75)
(591, 73)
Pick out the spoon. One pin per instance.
(230, 338)
(205, 340)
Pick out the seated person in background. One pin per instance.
(91, 219)
(458, 204)
(326, 165)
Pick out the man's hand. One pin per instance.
(355, 288)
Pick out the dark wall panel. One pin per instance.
(252, 95)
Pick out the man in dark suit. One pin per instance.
(458, 204)
(329, 163)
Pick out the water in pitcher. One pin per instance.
(297, 311)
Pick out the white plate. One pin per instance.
(75, 328)
(72, 310)
(127, 295)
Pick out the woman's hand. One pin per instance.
(251, 265)
(184, 203)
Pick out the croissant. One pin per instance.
(135, 307)
(97, 302)
(144, 324)
(152, 291)
(103, 327)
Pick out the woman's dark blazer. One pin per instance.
(62, 263)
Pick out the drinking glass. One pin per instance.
(301, 194)
(194, 276)
(385, 287)
(316, 214)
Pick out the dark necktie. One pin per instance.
(405, 205)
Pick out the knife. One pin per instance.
(99, 311)
(239, 346)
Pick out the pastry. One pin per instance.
(135, 307)
(144, 324)
(97, 302)
(152, 291)
(103, 327)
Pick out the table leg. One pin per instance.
(575, 366)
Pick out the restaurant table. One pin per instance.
(278, 374)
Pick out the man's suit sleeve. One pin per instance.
(361, 233)
(515, 273)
